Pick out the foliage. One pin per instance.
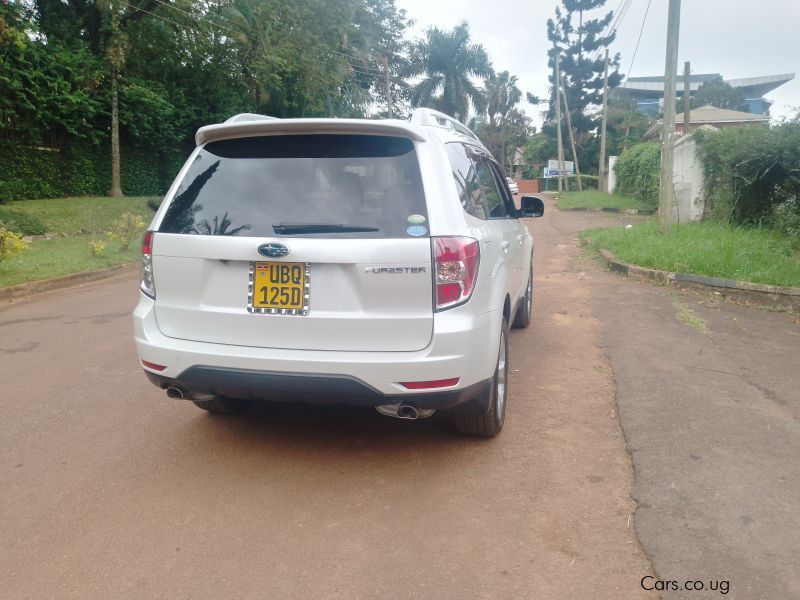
(447, 60)
(96, 248)
(154, 203)
(11, 243)
(752, 254)
(507, 128)
(750, 171)
(717, 92)
(22, 223)
(786, 220)
(638, 172)
(125, 228)
(539, 149)
(580, 46)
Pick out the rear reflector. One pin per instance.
(425, 385)
(153, 366)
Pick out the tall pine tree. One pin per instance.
(581, 43)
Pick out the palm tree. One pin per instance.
(502, 95)
(447, 60)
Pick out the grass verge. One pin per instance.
(73, 216)
(82, 220)
(595, 199)
(707, 248)
(61, 256)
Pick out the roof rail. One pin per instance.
(249, 117)
(428, 116)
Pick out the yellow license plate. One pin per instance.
(279, 288)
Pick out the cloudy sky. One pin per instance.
(735, 38)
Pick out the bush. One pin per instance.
(750, 171)
(125, 228)
(22, 223)
(10, 243)
(638, 171)
(786, 220)
(154, 203)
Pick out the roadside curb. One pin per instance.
(787, 298)
(608, 209)
(14, 292)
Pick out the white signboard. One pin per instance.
(552, 168)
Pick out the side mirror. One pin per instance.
(531, 207)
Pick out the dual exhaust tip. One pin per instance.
(402, 410)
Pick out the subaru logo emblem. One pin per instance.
(273, 250)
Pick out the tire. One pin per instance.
(221, 406)
(489, 424)
(523, 317)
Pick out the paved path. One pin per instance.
(110, 490)
(709, 399)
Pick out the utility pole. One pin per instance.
(687, 73)
(666, 196)
(558, 124)
(385, 63)
(601, 179)
(571, 135)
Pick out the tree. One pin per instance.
(502, 95)
(580, 48)
(717, 92)
(447, 60)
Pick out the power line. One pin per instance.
(611, 28)
(641, 30)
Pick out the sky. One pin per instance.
(735, 38)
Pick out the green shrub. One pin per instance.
(11, 243)
(154, 203)
(750, 171)
(638, 171)
(786, 220)
(22, 223)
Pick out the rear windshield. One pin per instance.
(353, 186)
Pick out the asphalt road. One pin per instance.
(110, 490)
(709, 398)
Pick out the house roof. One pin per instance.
(709, 115)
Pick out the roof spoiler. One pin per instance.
(248, 124)
(428, 116)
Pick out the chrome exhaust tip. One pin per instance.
(174, 392)
(405, 411)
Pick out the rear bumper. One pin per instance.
(463, 345)
(317, 389)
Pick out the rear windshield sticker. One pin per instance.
(416, 219)
(417, 230)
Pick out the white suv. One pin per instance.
(375, 263)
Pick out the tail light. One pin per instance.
(456, 269)
(148, 283)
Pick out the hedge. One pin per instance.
(82, 170)
(638, 171)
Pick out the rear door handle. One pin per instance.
(505, 244)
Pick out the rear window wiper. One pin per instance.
(289, 228)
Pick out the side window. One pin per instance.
(494, 198)
(502, 185)
(466, 179)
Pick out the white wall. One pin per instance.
(687, 177)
